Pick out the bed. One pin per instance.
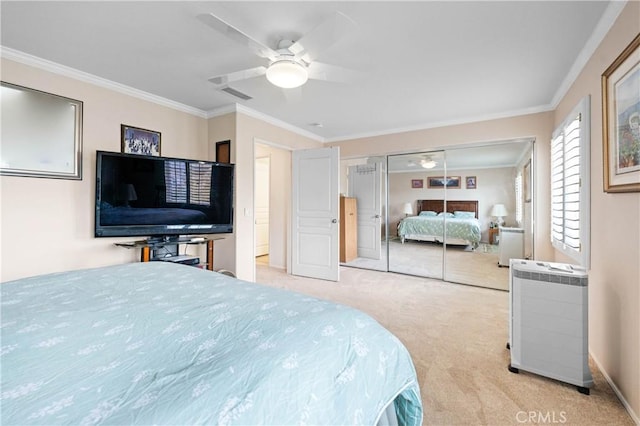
(453, 223)
(159, 343)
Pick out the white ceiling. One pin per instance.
(421, 64)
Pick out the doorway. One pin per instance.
(261, 208)
(273, 164)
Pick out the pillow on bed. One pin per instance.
(445, 214)
(429, 213)
(464, 215)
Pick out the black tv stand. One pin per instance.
(165, 239)
(170, 244)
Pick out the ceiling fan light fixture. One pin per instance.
(287, 74)
(428, 164)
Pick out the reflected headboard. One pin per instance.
(452, 206)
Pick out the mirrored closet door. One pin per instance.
(445, 214)
(417, 190)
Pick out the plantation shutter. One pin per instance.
(175, 177)
(200, 183)
(570, 185)
(519, 199)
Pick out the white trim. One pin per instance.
(465, 120)
(272, 144)
(43, 64)
(617, 391)
(602, 28)
(238, 108)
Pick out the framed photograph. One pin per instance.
(140, 141)
(417, 183)
(621, 121)
(526, 182)
(471, 182)
(452, 182)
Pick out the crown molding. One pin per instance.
(433, 125)
(53, 67)
(237, 108)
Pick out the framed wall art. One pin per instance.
(140, 141)
(471, 182)
(451, 182)
(417, 183)
(621, 121)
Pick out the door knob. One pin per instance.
(334, 220)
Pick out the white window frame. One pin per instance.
(561, 173)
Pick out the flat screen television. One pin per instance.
(161, 197)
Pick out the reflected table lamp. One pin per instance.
(499, 211)
(407, 209)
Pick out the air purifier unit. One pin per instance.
(548, 321)
(511, 245)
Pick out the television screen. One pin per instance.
(139, 195)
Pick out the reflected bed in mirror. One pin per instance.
(41, 134)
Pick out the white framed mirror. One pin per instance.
(41, 134)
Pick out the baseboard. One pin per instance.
(626, 405)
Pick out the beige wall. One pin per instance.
(614, 278)
(47, 225)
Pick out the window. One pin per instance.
(519, 199)
(570, 184)
(175, 176)
(200, 183)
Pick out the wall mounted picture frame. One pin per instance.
(471, 182)
(621, 121)
(417, 183)
(52, 148)
(450, 182)
(135, 140)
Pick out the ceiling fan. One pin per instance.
(426, 162)
(291, 63)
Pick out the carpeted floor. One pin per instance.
(457, 264)
(456, 335)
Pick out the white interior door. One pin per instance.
(315, 213)
(364, 184)
(262, 205)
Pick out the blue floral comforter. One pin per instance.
(460, 228)
(159, 343)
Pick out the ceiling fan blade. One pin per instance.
(326, 72)
(233, 33)
(322, 37)
(238, 75)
